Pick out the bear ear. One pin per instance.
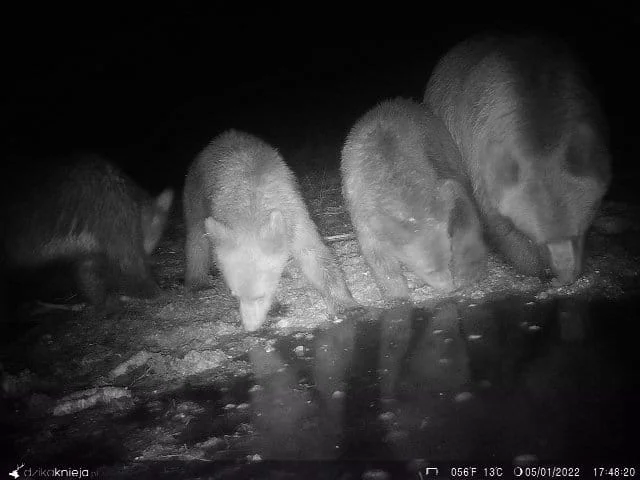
(501, 165)
(586, 154)
(164, 200)
(218, 232)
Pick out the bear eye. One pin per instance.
(581, 161)
(575, 160)
(508, 172)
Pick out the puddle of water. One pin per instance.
(552, 381)
(491, 382)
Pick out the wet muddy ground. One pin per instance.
(508, 371)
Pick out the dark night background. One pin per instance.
(151, 87)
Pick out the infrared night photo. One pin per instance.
(262, 244)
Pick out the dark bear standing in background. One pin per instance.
(408, 199)
(534, 143)
(85, 217)
(242, 205)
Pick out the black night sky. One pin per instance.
(150, 88)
